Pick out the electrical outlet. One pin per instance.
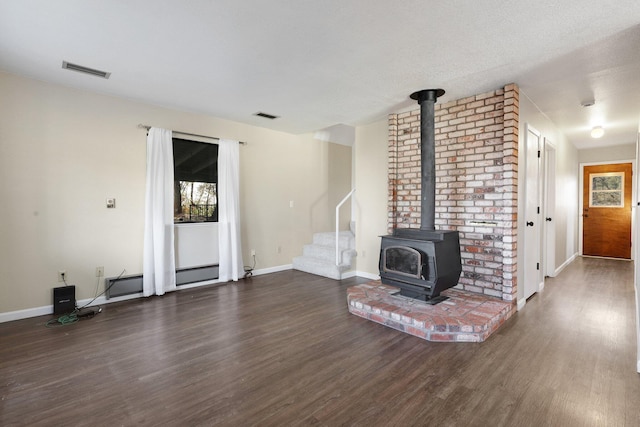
(99, 271)
(253, 252)
(62, 275)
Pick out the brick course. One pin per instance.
(476, 183)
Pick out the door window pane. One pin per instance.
(606, 190)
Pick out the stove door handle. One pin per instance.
(529, 223)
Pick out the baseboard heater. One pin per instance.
(127, 285)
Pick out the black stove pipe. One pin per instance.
(427, 99)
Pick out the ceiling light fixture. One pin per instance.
(597, 132)
(588, 103)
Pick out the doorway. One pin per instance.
(533, 280)
(606, 210)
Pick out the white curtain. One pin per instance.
(231, 264)
(159, 267)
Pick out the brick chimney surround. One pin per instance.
(476, 165)
(476, 183)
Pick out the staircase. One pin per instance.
(320, 256)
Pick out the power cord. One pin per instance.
(75, 315)
(65, 319)
(103, 292)
(248, 270)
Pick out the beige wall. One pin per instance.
(339, 158)
(607, 154)
(64, 151)
(371, 163)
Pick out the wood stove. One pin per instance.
(423, 262)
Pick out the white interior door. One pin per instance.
(533, 228)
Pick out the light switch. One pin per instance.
(111, 203)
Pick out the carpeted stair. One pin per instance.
(320, 256)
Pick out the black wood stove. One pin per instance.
(423, 262)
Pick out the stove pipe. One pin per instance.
(423, 262)
(427, 99)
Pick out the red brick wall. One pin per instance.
(476, 183)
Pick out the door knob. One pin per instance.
(529, 223)
(548, 219)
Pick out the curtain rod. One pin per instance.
(147, 127)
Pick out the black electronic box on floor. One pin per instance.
(64, 299)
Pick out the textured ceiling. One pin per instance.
(318, 64)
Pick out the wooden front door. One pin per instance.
(606, 212)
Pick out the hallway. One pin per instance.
(581, 344)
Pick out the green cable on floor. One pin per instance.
(65, 319)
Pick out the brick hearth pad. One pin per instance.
(464, 317)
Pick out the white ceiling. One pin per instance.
(321, 63)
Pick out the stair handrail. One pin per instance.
(338, 223)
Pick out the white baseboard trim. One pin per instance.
(638, 367)
(255, 273)
(26, 313)
(48, 309)
(366, 275)
(541, 286)
(197, 284)
(521, 303)
(348, 274)
(275, 269)
(101, 300)
(566, 263)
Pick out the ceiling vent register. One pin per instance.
(266, 115)
(86, 70)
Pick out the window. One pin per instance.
(606, 190)
(195, 169)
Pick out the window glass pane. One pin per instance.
(606, 190)
(607, 199)
(195, 161)
(198, 202)
(195, 181)
(607, 182)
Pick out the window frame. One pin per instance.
(189, 152)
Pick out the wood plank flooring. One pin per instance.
(283, 350)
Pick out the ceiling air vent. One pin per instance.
(81, 69)
(266, 116)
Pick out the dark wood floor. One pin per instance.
(282, 350)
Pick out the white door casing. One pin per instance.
(549, 203)
(636, 251)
